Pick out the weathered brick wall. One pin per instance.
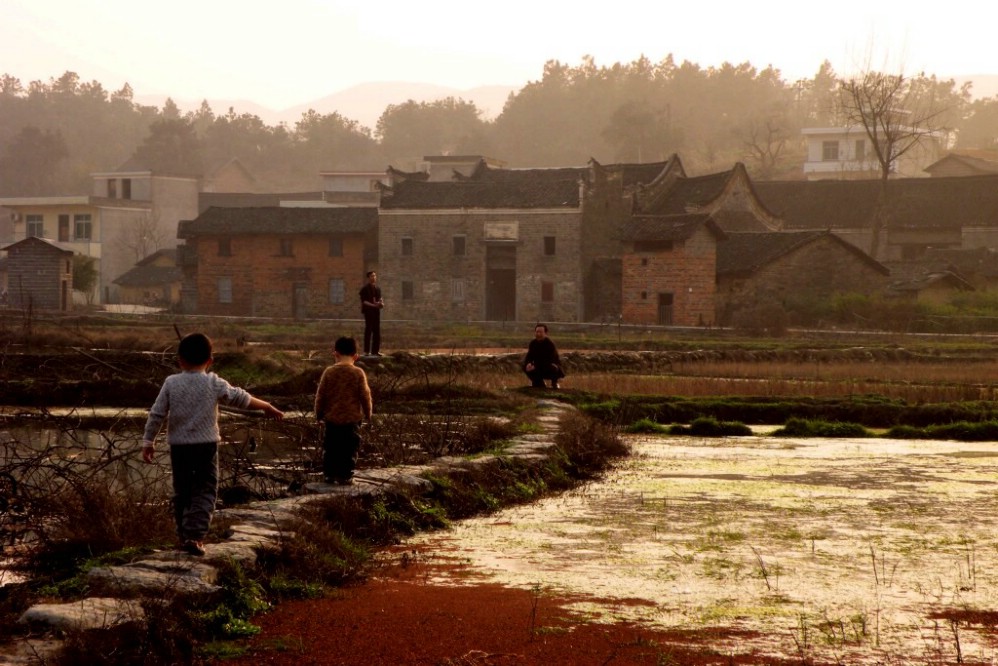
(688, 272)
(433, 266)
(814, 272)
(263, 281)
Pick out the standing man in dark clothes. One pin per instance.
(371, 304)
(542, 360)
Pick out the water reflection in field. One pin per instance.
(851, 550)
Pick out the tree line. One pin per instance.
(54, 134)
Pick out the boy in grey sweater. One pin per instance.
(188, 403)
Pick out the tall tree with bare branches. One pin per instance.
(898, 114)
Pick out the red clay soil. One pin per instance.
(401, 619)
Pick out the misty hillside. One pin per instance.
(364, 102)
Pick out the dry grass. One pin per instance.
(956, 381)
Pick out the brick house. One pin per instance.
(502, 244)
(669, 270)
(40, 274)
(276, 261)
(757, 270)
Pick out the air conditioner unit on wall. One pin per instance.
(14, 217)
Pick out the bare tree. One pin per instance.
(764, 140)
(898, 114)
(141, 237)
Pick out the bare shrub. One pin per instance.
(589, 446)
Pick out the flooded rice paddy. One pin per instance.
(831, 550)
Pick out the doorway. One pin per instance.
(500, 282)
(665, 309)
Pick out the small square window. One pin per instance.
(286, 249)
(337, 291)
(458, 243)
(549, 246)
(335, 246)
(407, 247)
(224, 290)
(225, 247)
(408, 292)
(547, 292)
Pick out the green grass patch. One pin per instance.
(817, 428)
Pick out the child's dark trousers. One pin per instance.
(195, 488)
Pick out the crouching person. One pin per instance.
(542, 361)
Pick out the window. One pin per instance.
(458, 243)
(408, 293)
(337, 291)
(335, 246)
(860, 150)
(547, 292)
(457, 291)
(829, 151)
(35, 227)
(64, 228)
(126, 188)
(286, 249)
(224, 290)
(406, 247)
(82, 227)
(225, 247)
(112, 188)
(549, 246)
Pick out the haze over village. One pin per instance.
(649, 191)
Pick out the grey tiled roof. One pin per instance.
(914, 202)
(148, 276)
(668, 227)
(745, 253)
(519, 191)
(279, 220)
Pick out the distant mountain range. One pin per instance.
(364, 102)
(367, 101)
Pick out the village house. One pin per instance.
(39, 274)
(129, 213)
(920, 213)
(669, 270)
(278, 261)
(789, 270)
(932, 287)
(846, 153)
(153, 281)
(965, 163)
(729, 197)
(479, 242)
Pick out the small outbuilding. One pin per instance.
(39, 274)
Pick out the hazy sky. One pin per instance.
(287, 52)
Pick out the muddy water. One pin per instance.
(838, 550)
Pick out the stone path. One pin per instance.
(118, 590)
